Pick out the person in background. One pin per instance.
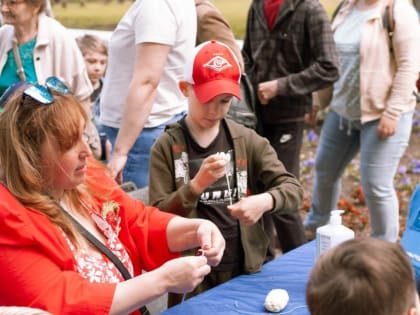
(95, 53)
(349, 279)
(206, 166)
(366, 114)
(44, 47)
(34, 46)
(52, 194)
(289, 53)
(147, 52)
(211, 25)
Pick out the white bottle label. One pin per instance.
(323, 243)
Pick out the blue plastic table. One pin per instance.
(246, 294)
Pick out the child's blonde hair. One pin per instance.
(89, 42)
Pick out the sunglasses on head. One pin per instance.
(37, 92)
(41, 93)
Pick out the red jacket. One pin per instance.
(37, 268)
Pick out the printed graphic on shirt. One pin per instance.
(181, 168)
(221, 192)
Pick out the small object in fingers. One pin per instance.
(223, 155)
(200, 252)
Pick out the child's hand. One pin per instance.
(249, 210)
(212, 168)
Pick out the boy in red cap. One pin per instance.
(207, 166)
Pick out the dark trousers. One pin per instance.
(286, 139)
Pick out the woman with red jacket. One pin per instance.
(51, 190)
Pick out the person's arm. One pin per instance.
(149, 65)
(322, 72)
(34, 278)
(280, 191)
(178, 275)
(183, 234)
(246, 45)
(211, 25)
(406, 47)
(165, 193)
(30, 277)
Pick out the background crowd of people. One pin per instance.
(80, 117)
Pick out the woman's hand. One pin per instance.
(211, 242)
(249, 210)
(212, 168)
(387, 127)
(184, 274)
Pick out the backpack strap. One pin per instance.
(336, 10)
(389, 22)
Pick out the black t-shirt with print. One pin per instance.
(214, 200)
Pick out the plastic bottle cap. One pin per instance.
(335, 217)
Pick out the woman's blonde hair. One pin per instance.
(25, 125)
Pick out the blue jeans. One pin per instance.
(137, 168)
(379, 159)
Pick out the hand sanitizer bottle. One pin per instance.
(332, 234)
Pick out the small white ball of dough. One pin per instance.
(276, 300)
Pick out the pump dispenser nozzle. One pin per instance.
(335, 217)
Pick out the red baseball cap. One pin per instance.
(213, 69)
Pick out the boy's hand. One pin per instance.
(212, 168)
(249, 210)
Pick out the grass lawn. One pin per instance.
(100, 16)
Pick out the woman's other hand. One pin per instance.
(184, 274)
(211, 242)
(387, 127)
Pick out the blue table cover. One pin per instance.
(246, 294)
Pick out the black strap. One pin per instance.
(106, 251)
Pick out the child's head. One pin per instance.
(211, 78)
(95, 54)
(212, 70)
(362, 276)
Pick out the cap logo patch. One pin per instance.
(218, 64)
